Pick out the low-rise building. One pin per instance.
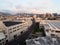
(51, 27)
(9, 30)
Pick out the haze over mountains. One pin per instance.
(8, 12)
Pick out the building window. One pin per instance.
(0, 40)
(4, 32)
(11, 32)
(21, 32)
(53, 35)
(14, 27)
(17, 29)
(15, 36)
(52, 30)
(14, 30)
(10, 29)
(17, 26)
(6, 41)
(3, 42)
(6, 36)
(47, 30)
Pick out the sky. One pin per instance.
(31, 6)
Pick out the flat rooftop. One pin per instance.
(11, 23)
(51, 24)
(54, 24)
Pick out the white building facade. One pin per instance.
(7, 33)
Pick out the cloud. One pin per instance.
(31, 5)
(38, 5)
